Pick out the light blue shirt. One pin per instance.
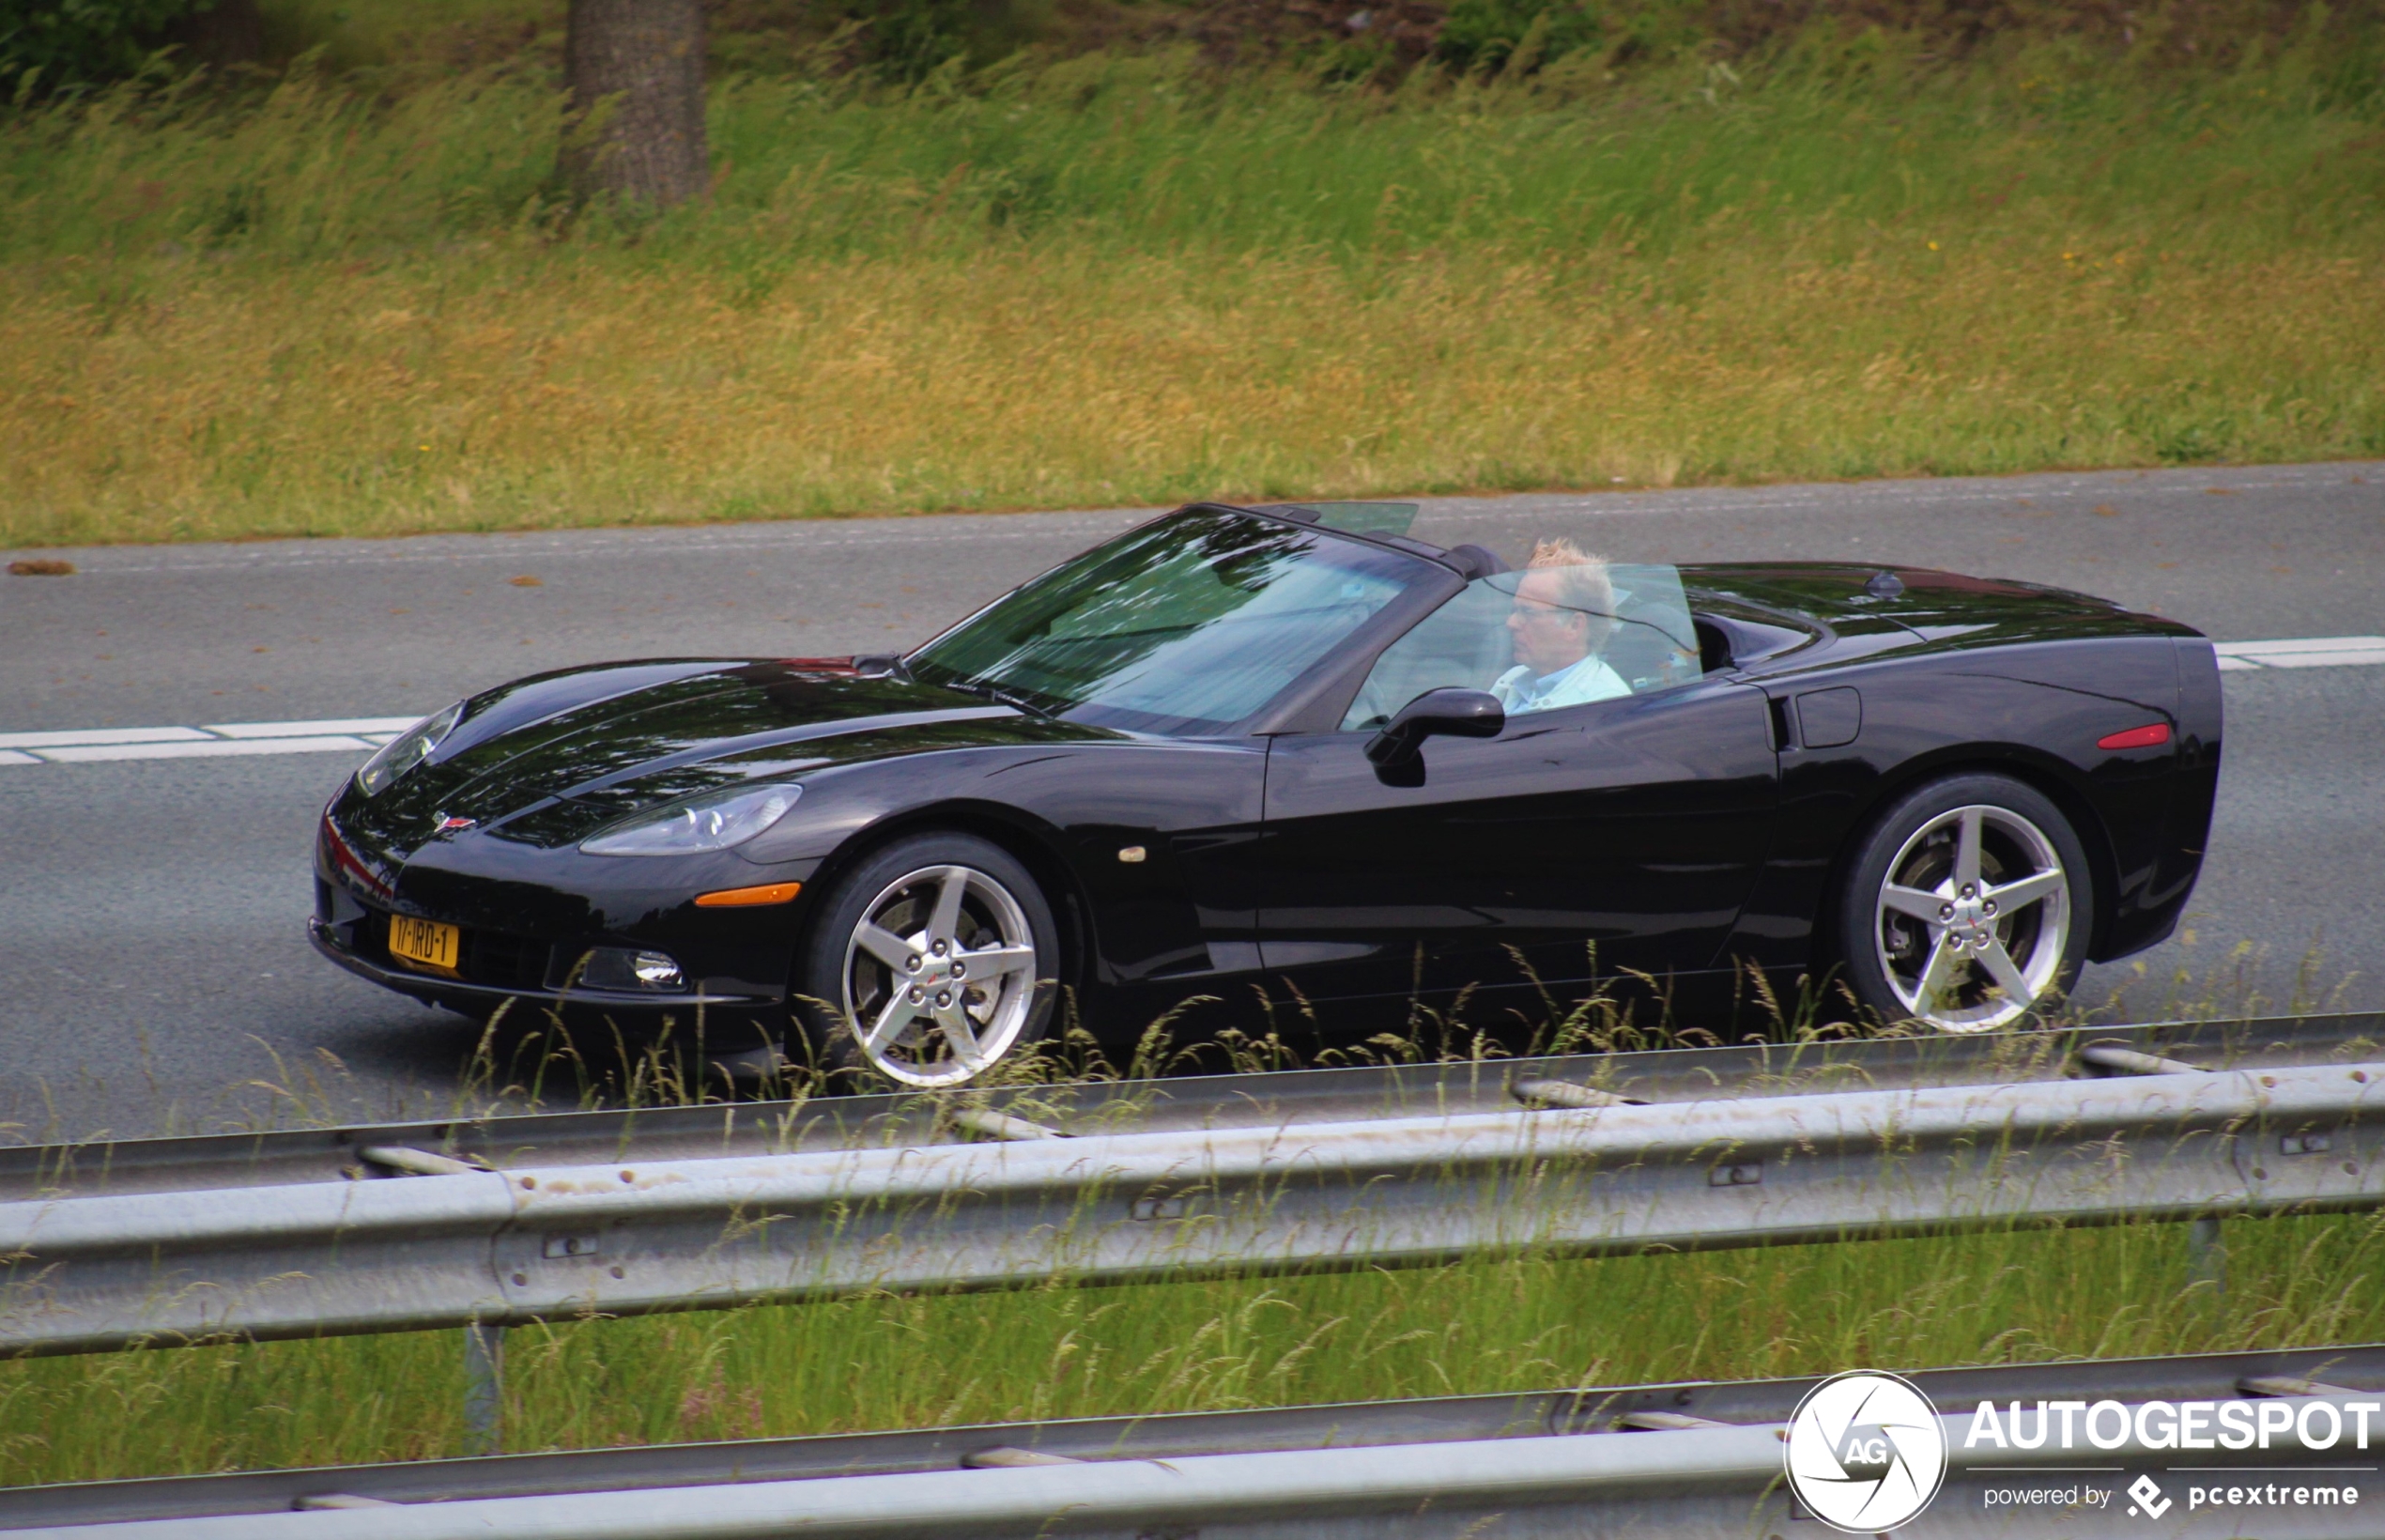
(1576, 685)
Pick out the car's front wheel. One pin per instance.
(1967, 906)
(930, 963)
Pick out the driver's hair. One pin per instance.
(1582, 583)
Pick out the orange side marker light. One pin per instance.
(743, 898)
(2152, 735)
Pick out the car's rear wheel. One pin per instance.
(1967, 907)
(930, 964)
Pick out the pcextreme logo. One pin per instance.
(1865, 1451)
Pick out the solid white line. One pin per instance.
(313, 730)
(2301, 652)
(9, 756)
(101, 735)
(2267, 661)
(205, 749)
(2304, 644)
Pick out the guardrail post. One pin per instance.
(484, 1389)
(2206, 1255)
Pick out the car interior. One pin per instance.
(1465, 644)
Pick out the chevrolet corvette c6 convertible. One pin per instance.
(1294, 750)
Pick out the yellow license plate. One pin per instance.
(425, 943)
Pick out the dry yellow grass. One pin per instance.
(501, 387)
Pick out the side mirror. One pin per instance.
(1460, 714)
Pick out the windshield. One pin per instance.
(1547, 637)
(1185, 626)
(1355, 517)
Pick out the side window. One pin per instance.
(1464, 643)
(1560, 634)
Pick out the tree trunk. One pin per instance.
(635, 124)
(225, 35)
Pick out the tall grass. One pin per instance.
(1058, 1351)
(1116, 281)
(1537, 1320)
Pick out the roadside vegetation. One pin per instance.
(1532, 1322)
(1528, 1324)
(346, 299)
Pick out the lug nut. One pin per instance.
(940, 947)
(1969, 891)
(917, 994)
(911, 963)
(1945, 911)
(944, 999)
(960, 969)
(1988, 908)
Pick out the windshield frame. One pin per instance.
(1308, 695)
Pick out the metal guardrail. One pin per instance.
(1682, 1459)
(286, 1157)
(542, 1242)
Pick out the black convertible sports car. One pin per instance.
(1292, 747)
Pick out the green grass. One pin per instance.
(1061, 1351)
(1143, 153)
(1121, 281)
(1056, 1349)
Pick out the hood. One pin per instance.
(548, 760)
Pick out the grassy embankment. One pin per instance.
(1118, 282)
(1059, 1351)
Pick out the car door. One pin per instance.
(1590, 836)
(1618, 836)
(1156, 830)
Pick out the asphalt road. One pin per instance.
(153, 974)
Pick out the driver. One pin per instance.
(1564, 609)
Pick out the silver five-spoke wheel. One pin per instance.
(1973, 922)
(939, 976)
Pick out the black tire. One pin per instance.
(844, 988)
(2022, 931)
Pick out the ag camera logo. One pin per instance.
(1867, 1452)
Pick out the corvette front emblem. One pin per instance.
(450, 825)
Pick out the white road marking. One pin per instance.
(2305, 653)
(101, 735)
(357, 734)
(89, 745)
(210, 748)
(353, 726)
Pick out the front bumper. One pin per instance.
(433, 989)
(527, 918)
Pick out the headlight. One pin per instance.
(407, 751)
(715, 821)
